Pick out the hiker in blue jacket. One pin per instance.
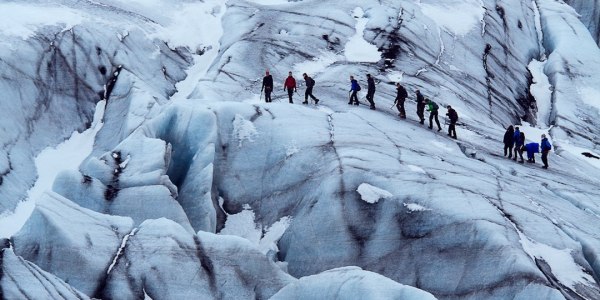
(546, 147)
(518, 142)
(521, 148)
(354, 88)
(532, 149)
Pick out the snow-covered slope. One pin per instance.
(321, 197)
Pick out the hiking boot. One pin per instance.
(545, 167)
(350, 103)
(316, 101)
(305, 102)
(439, 129)
(356, 103)
(430, 127)
(372, 107)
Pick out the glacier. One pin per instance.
(196, 188)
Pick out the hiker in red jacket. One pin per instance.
(290, 86)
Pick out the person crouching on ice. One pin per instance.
(532, 149)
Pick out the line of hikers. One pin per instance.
(514, 138)
(290, 86)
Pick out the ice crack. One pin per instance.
(120, 251)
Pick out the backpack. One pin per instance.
(403, 92)
(453, 115)
(358, 89)
(312, 82)
(435, 106)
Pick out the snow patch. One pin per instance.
(413, 207)
(371, 194)
(318, 64)
(49, 163)
(243, 225)
(23, 20)
(457, 16)
(563, 266)
(416, 169)
(590, 96)
(357, 48)
(577, 152)
(534, 134)
(395, 76)
(188, 25)
(541, 89)
(243, 129)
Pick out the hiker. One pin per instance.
(509, 141)
(267, 86)
(453, 116)
(354, 88)
(401, 95)
(421, 107)
(531, 149)
(521, 148)
(546, 147)
(518, 141)
(290, 85)
(370, 91)
(310, 83)
(432, 108)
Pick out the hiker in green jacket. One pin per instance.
(433, 108)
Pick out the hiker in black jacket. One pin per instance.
(453, 116)
(370, 91)
(401, 95)
(310, 83)
(509, 141)
(421, 107)
(267, 86)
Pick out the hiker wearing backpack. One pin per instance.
(354, 88)
(509, 141)
(546, 147)
(401, 95)
(370, 91)
(433, 108)
(453, 116)
(521, 148)
(267, 86)
(519, 142)
(421, 107)
(310, 83)
(531, 149)
(290, 86)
